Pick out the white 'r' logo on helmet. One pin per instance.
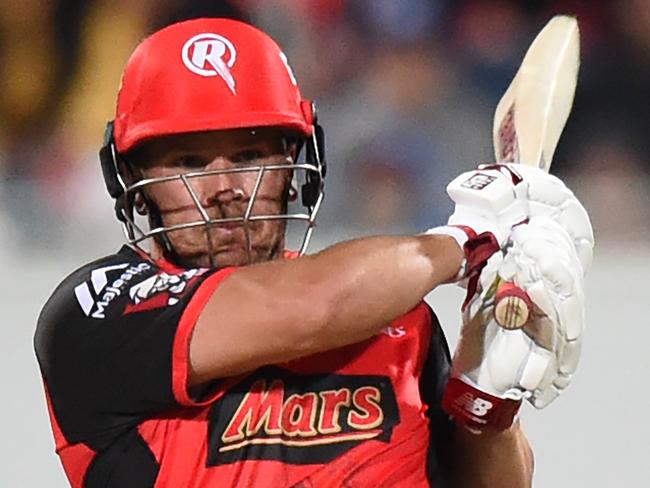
(211, 55)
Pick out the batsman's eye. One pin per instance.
(247, 156)
(190, 162)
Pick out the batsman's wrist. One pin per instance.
(458, 233)
(477, 248)
(477, 410)
(461, 235)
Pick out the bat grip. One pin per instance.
(512, 306)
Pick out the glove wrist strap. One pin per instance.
(477, 410)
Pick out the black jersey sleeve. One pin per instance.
(435, 374)
(113, 342)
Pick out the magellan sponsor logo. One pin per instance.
(94, 302)
(280, 415)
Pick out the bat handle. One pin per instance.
(512, 306)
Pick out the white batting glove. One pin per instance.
(548, 195)
(495, 197)
(488, 203)
(495, 368)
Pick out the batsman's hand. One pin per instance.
(491, 200)
(494, 368)
(547, 195)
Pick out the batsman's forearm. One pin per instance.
(378, 279)
(282, 310)
(502, 459)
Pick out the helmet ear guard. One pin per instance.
(314, 155)
(108, 160)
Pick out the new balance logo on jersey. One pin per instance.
(478, 181)
(209, 55)
(277, 414)
(94, 296)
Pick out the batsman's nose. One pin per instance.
(226, 184)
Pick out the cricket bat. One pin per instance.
(528, 122)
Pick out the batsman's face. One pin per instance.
(223, 195)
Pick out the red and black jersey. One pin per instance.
(113, 344)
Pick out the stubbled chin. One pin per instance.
(223, 259)
(230, 249)
(230, 257)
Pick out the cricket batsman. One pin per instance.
(205, 354)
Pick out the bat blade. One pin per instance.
(532, 113)
(528, 122)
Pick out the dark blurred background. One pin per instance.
(406, 91)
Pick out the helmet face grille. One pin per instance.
(137, 233)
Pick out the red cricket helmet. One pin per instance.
(202, 75)
(207, 74)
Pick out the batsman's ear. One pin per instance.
(139, 204)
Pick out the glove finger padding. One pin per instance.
(536, 361)
(543, 243)
(495, 197)
(548, 196)
(557, 289)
